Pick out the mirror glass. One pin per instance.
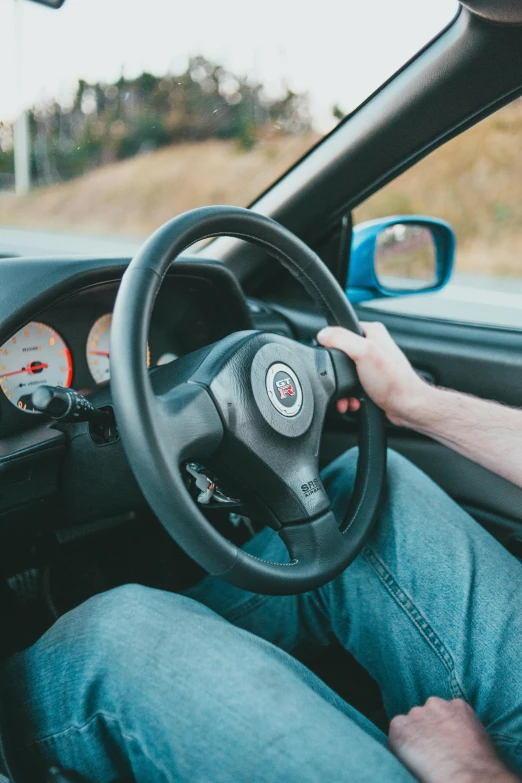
(406, 258)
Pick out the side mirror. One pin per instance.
(399, 256)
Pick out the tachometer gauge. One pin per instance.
(98, 349)
(34, 356)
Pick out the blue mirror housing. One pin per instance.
(364, 282)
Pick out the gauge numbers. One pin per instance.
(35, 355)
(98, 357)
(98, 349)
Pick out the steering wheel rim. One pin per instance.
(193, 415)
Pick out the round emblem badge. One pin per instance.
(283, 389)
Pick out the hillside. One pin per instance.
(474, 182)
(135, 196)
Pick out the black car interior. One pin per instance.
(73, 519)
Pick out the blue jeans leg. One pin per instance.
(431, 607)
(145, 685)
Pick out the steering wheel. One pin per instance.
(252, 405)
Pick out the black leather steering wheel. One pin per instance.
(252, 406)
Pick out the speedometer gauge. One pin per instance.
(98, 349)
(34, 356)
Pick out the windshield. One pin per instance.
(121, 115)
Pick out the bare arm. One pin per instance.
(485, 432)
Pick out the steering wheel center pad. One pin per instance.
(272, 456)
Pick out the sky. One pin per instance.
(339, 52)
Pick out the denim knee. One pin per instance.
(399, 468)
(113, 617)
(407, 489)
(339, 476)
(124, 617)
(417, 512)
(118, 644)
(120, 630)
(344, 467)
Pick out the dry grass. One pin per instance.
(135, 196)
(474, 182)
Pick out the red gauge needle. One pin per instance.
(31, 369)
(100, 353)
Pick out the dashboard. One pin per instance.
(55, 322)
(68, 343)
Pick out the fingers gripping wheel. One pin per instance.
(252, 404)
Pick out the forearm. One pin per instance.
(485, 432)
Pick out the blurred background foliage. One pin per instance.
(105, 123)
(123, 158)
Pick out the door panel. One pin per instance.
(485, 361)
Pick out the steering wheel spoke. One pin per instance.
(189, 422)
(316, 541)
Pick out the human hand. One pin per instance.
(385, 373)
(444, 741)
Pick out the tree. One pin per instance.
(106, 122)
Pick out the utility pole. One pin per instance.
(21, 131)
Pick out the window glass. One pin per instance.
(136, 111)
(475, 183)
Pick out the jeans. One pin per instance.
(141, 684)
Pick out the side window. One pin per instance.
(474, 182)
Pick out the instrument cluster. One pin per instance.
(35, 355)
(38, 355)
(68, 344)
